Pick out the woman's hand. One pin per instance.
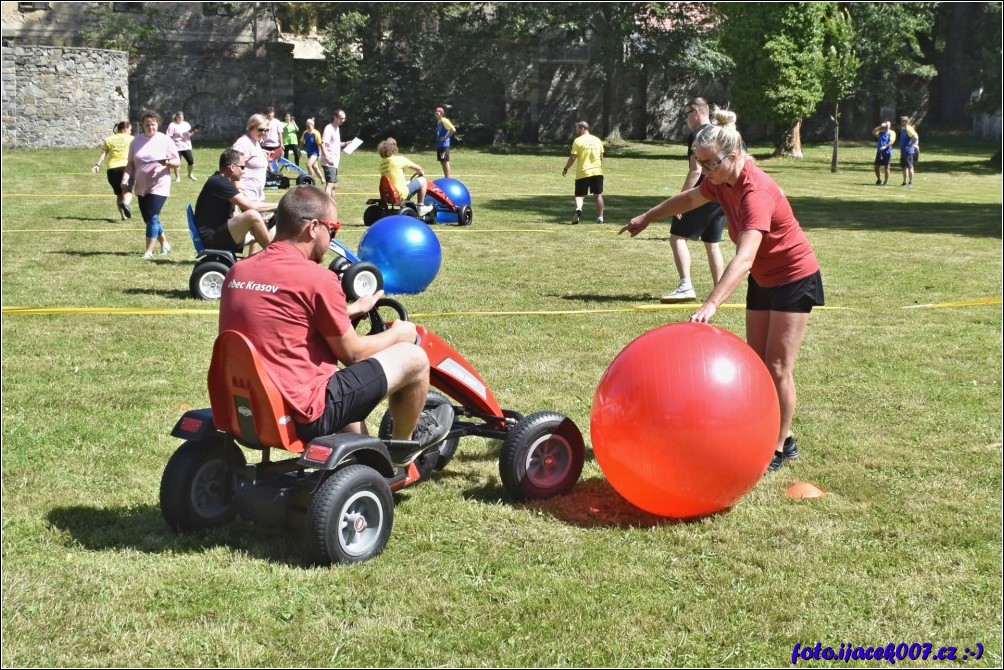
(703, 313)
(635, 225)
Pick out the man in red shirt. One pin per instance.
(294, 312)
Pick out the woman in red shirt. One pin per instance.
(784, 279)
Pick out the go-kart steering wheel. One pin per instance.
(377, 324)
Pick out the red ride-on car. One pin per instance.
(391, 202)
(340, 487)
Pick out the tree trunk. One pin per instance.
(796, 140)
(836, 136)
(790, 143)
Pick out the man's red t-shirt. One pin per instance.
(286, 304)
(757, 203)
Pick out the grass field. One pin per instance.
(899, 419)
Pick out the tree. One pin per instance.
(840, 68)
(778, 51)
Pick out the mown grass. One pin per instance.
(899, 420)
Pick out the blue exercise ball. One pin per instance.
(456, 192)
(406, 251)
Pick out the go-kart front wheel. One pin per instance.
(465, 215)
(195, 486)
(206, 282)
(541, 457)
(350, 517)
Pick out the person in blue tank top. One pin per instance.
(444, 131)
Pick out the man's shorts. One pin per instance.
(704, 223)
(799, 296)
(351, 396)
(220, 238)
(330, 174)
(187, 155)
(883, 158)
(906, 160)
(442, 154)
(115, 180)
(589, 184)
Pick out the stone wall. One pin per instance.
(62, 97)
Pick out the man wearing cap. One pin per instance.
(444, 131)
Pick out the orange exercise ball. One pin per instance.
(685, 420)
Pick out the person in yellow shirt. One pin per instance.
(392, 166)
(587, 151)
(116, 149)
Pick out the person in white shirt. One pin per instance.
(331, 151)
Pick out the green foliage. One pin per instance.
(133, 32)
(899, 419)
(840, 60)
(986, 66)
(777, 48)
(893, 68)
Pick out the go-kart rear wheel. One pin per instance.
(541, 457)
(409, 208)
(465, 215)
(206, 282)
(195, 485)
(447, 448)
(350, 517)
(372, 214)
(361, 279)
(304, 180)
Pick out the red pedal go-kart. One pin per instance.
(391, 202)
(340, 487)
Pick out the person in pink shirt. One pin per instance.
(181, 132)
(252, 183)
(273, 136)
(151, 157)
(784, 279)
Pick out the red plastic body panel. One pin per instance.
(453, 375)
(244, 400)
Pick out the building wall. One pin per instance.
(62, 97)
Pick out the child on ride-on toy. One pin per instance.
(392, 167)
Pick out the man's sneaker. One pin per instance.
(148, 256)
(878, 182)
(433, 425)
(576, 216)
(165, 249)
(682, 293)
(599, 219)
(789, 452)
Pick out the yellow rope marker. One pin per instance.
(959, 303)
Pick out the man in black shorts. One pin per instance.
(704, 223)
(219, 226)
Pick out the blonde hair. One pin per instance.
(255, 121)
(387, 148)
(721, 134)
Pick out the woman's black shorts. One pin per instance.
(798, 296)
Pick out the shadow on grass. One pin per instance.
(173, 294)
(954, 218)
(595, 504)
(600, 298)
(91, 218)
(87, 254)
(143, 529)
